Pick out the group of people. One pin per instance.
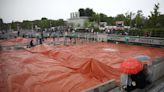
(134, 81)
(140, 80)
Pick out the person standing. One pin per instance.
(31, 43)
(40, 40)
(132, 74)
(127, 84)
(18, 33)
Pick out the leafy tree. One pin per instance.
(1, 23)
(45, 23)
(120, 17)
(110, 21)
(88, 24)
(27, 24)
(129, 18)
(95, 18)
(82, 12)
(44, 18)
(53, 23)
(86, 12)
(139, 19)
(103, 17)
(153, 18)
(37, 23)
(6, 26)
(60, 22)
(15, 25)
(89, 12)
(3, 26)
(160, 20)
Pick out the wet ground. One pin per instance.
(73, 68)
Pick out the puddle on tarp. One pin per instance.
(110, 49)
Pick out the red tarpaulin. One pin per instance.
(45, 68)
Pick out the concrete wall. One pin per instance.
(102, 37)
(78, 22)
(157, 69)
(103, 87)
(137, 39)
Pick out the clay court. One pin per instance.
(73, 68)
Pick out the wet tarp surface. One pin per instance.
(18, 40)
(46, 68)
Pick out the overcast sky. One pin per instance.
(18, 10)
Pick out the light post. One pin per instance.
(32, 26)
(17, 27)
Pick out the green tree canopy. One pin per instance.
(153, 18)
(139, 19)
(82, 12)
(120, 17)
(103, 17)
(86, 12)
(26, 24)
(1, 23)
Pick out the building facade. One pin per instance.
(76, 21)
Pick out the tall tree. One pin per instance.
(60, 22)
(139, 19)
(95, 18)
(26, 24)
(120, 17)
(86, 12)
(44, 23)
(160, 20)
(110, 21)
(103, 17)
(1, 23)
(153, 18)
(129, 18)
(89, 12)
(82, 12)
(44, 18)
(88, 24)
(15, 25)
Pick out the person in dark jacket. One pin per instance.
(18, 33)
(40, 40)
(31, 43)
(139, 79)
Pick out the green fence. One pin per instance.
(147, 32)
